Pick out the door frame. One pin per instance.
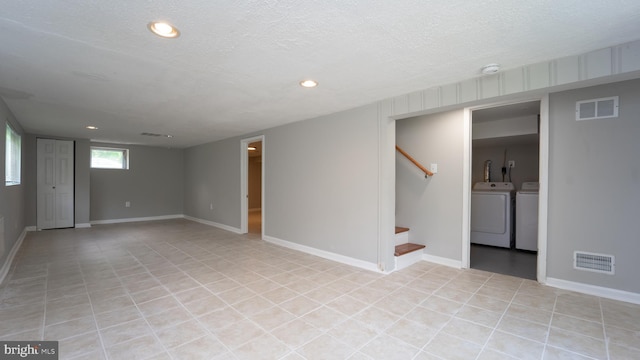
(244, 184)
(543, 178)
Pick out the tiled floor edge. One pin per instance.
(608, 293)
(4, 271)
(457, 264)
(214, 224)
(136, 219)
(324, 254)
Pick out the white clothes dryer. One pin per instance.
(491, 213)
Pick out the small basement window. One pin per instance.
(109, 158)
(12, 163)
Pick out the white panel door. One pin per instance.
(55, 184)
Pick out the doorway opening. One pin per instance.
(253, 186)
(505, 177)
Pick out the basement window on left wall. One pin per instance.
(109, 158)
(12, 157)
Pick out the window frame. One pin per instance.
(13, 156)
(125, 157)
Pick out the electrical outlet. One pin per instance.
(211, 206)
(127, 204)
(512, 163)
(433, 168)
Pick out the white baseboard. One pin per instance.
(594, 290)
(12, 254)
(31, 228)
(215, 224)
(125, 220)
(442, 261)
(83, 225)
(324, 254)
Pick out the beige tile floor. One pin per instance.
(181, 290)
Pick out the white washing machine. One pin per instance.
(491, 213)
(527, 217)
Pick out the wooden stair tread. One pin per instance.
(400, 229)
(407, 248)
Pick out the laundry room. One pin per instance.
(505, 169)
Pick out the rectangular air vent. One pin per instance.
(601, 263)
(597, 108)
(156, 135)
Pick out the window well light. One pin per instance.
(163, 29)
(308, 83)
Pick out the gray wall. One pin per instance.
(594, 186)
(153, 184)
(212, 177)
(525, 155)
(82, 180)
(321, 181)
(12, 200)
(431, 207)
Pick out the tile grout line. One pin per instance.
(172, 294)
(135, 305)
(553, 311)
(322, 332)
(604, 330)
(95, 321)
(44, 317)
(423, 349)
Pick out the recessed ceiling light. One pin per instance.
(251, 148)
(91, 127)
(490, 69)
(163, 29)
(308, 83)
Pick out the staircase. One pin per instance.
(406, 253)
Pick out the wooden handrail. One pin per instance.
(427, 173)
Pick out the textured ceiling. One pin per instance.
(236, 66)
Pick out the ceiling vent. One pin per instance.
(594, 262)
(597, 108)
(155, 135)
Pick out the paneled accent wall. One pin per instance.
(601, 63)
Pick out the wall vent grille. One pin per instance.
(601, 263)
(597, 108)
(156, 135)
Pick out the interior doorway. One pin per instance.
(505, 168)
(55, 184)
(253, 186)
